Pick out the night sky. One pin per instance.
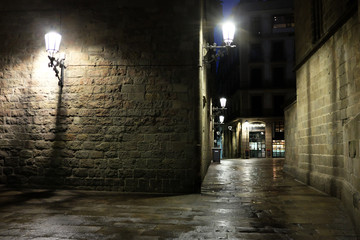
(227, 6)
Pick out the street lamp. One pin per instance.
(223, 102)
(246, 123)
(222, 105)
(228, 29)
(221, 119)
(52, 44)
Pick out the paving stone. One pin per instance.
(240, 199)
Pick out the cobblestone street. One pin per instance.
(241, 199)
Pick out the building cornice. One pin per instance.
(349, 13)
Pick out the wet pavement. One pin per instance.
(241, 199)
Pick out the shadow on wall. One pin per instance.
(28, 90)
(55, 174)
(334, 187)
(309, 125)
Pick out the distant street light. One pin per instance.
(217, 111)
(246, 123)
(223, 102)
(221, 119)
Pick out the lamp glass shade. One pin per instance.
(223, 102)
(246, 123)
(228, 29)
(221, 118)
(52, 42)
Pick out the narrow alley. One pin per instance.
(241, 199)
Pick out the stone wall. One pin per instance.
(291, 137)
(322, 137)
(331, 12)
(126, 118)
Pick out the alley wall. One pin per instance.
(126, 118)
(323, 125)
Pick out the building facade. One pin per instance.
(322, 125)
(131, 114)
(258, 79)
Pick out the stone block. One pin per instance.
(111, 173)
(143, 185)
(111, 154)
(115, 163)
(81, 172)
(144, 173)
(155, 185)
(130, 185)
(86, 163)
(114, 182)
(17, 180)
(11, 162)
(96, 154)
(83, 154)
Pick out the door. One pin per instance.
(257, 144)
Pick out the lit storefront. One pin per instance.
(255, 138)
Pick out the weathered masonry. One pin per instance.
(127, 117)
(322, 126)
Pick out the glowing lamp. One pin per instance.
(221, 119)
(52, 42)
(228, 29)
(223, 102)
(246, 124)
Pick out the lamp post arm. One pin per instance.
(215, 46)
(220, 53)
(55, 63)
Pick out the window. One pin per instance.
(278, 103)
(283, 23)
(256, 106)
(278, 127)
(255, 26)
(277, 51)
(256, 77)
(278, 131)
(317, 19)
(256, 53)
(278, 78)
(278, 148)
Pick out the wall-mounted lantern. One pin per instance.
(219, 110)
(52, 44)
(228, 29)
(222, 105)
(223, 102)
(221, 119)
(246, 123)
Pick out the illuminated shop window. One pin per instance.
(278, 148)
(283, 23)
